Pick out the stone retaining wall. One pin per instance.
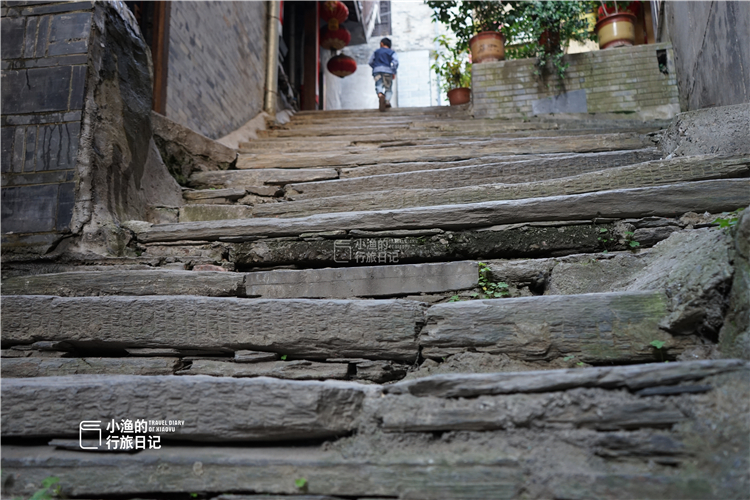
(627, 79)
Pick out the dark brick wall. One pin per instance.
(217, 53)
(44, 57)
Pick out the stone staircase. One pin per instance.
(413, 304)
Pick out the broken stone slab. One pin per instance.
(194, 213)
(369, 281)
(630, 176)
(631, 377)
(114, 282)
(595, 328)
(205, 194)
(378, 371)
(366, 156)
(507, 172)
(246, 179)
(40, 367)
(245, 356)
(712, 196)
(718, 130)
(310, 329)
(734, 336)
(292, 370)
(694, 267)
(185, 151)
(213, 408)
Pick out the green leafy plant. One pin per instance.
(465, 19)
(451, 65)
(301, 483)
(580, 364)
(729, 219)
(50, 489)
(455, 298)
(568, 358)
(283, 357)
(491, 289)
(632, 244)
(546, 28)
(659, 346)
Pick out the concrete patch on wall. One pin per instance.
(621, 80)
(567, 102)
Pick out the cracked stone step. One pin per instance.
(630, 176)
(343, 282)
(520, 170)
(213, 408)
(594, 328)
(576, 144)
(290, 370)
(301, 328)
(713, 196)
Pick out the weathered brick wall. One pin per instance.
(44, 54)
(614, 80)
(217, 54)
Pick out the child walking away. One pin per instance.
(384, 64)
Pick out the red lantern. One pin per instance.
(334, 39)
(342, 65)
(334, 13)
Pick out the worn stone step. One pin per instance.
(637, 156)
(128, 282)
(712, 196)
(199, 212)
(243, 179)
(575, 144)
(213, 408)
(608, 415)
(639, 175)
(44, 367)
(342, 282)
(517, 169)
(300, 328)
(371, 281)
(594, 328)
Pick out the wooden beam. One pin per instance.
(160, 54)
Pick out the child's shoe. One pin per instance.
(381, 102)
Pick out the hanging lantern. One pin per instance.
(342, 65)
(334, 13)
(334, 39)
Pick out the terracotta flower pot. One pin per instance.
(461, 95)
(487, 46)
(616, 30)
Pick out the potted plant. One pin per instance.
(481, 26)
(454, 71)
(615, 26)
(547, 28)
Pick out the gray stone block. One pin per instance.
(7, 139)
(66, 199)
(12, 34)
(36, 90)
(373, 281)
(57, 146)
(69, 34)
(29, 209)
